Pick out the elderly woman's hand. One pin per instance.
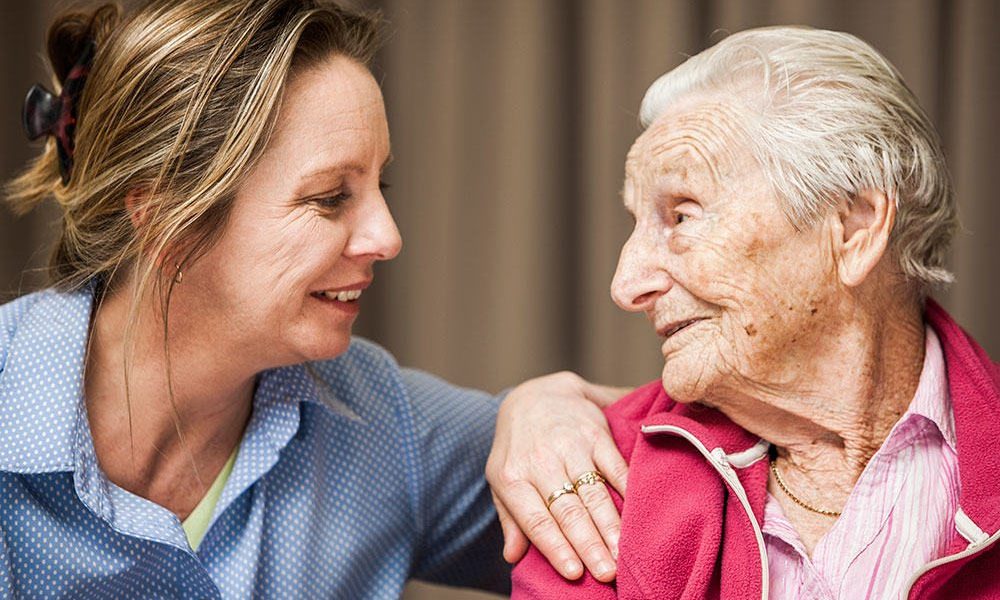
(550, 431)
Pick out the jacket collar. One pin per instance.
(974, 386)
(665, 468)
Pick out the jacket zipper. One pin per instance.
(721, 464)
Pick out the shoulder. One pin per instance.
(625, 417)
(367, 385)
(367, 367)
(366, 380)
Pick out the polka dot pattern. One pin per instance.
(353, 476)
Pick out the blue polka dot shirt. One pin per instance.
(353, 476)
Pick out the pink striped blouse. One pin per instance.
(899, 516)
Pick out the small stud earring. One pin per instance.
(179, 277)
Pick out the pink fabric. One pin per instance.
(686, 535)
(900, 515)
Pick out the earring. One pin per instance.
(179, 276)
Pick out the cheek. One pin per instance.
(768, 290)
(273, 260)
(783, 313)
(710, 260)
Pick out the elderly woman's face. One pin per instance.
(734, 291)
(307, 225)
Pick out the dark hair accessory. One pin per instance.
(47, 114)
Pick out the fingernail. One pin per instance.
(604, 568)
(572, 569)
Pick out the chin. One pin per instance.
(686, 379)
(324, 347)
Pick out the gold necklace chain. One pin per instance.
(795, 499)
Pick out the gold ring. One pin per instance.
(567, 488)
(588, 478)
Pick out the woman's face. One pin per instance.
(738, 296)
(287, 277)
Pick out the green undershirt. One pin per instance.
(196, 525)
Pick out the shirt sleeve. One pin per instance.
(461, 541)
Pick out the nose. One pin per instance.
(639, 279)
(376, 234)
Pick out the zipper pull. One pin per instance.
(720, 458)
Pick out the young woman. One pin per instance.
(185, 413)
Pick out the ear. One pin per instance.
(135, 204)
(138, 207)
(861, 231)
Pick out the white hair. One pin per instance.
(829, 117)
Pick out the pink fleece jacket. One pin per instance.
(698, 483)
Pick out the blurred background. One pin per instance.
(510, 120)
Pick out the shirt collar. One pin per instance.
(44, 428)
(932, 400)
(41, 385)
(41, 389)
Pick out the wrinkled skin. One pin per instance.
(733, 259)
(809, 337)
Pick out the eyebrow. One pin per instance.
(350, 167)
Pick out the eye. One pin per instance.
(383, 186)
(331, 203)
(685, 210)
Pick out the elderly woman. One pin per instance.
(822, 429)
(185, 414)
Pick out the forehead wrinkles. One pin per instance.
(688, 143)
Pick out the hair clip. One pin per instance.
(45, 113)
(41, 111)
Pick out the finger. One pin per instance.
(611, 464)
(575, 522)
(603, 395)
(603, 513)
(514, 543)
(538, 524)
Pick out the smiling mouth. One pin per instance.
(341, 296)
(670, 329)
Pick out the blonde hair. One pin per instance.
(180, 101)
(828, 118)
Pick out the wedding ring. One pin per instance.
(567, 488)
(588, 478)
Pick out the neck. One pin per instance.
(838, 397)
(165, 422)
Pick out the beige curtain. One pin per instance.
(510, 121)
